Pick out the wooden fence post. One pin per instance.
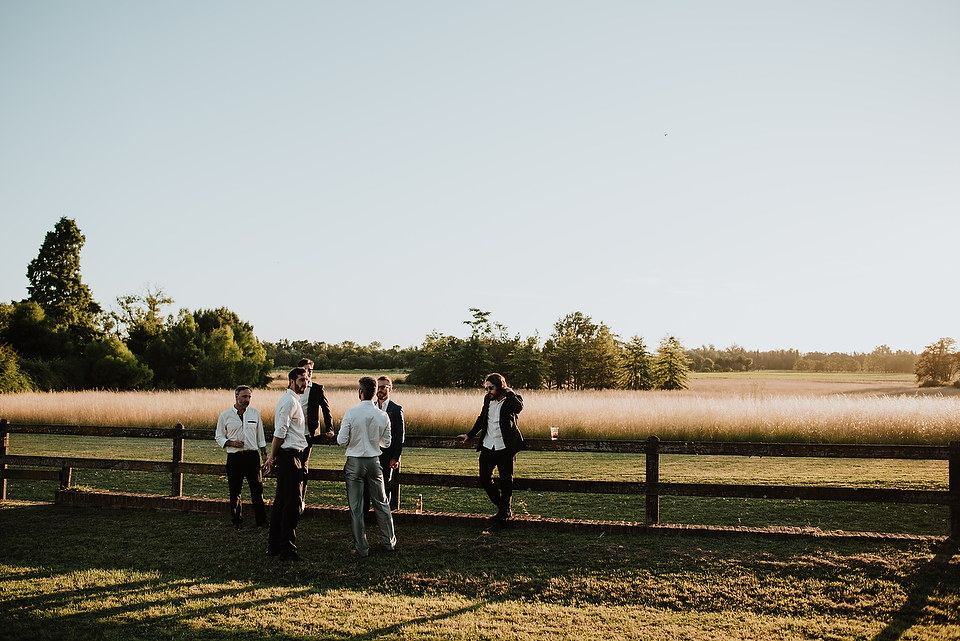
(955, 489)
(3, 459)
(653, 478)
(176, 483)
(65, 474)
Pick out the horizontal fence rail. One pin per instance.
(651, 488)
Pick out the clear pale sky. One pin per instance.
(772, 174)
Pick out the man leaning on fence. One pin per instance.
(240, 433)
(500, 440)
(289, 441)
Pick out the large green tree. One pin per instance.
(636, 366)
(670, 368)
(566, 350)
(938, 361)
(55, 282)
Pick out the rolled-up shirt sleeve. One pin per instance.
(221, 433)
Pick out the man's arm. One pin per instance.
(261, 439)
(513, 401)
(221, 432)
(343, 436)
(397, 433)
(325, 410)
(274, 452)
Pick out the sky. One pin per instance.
(779, 175)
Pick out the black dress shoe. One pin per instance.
(495, 526)
(264, 524)
(238, 526)
(293, 557)
(273, 552)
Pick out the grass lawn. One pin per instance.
(105, 574)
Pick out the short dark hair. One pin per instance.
(368, 387)
(304, 362)
(497, 380)
(241, 388)
(387, 379)
(295, 373)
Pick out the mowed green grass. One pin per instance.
(118, 575)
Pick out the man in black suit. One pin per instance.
(500, 440)
(389, 456)
(313, 402)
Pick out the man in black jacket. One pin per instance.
(500, 440)
(313, 402)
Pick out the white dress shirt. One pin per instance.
(493, 439)
(249, 429)
(289, 423)
(364, 429)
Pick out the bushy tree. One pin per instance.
(174, 355)
(55, 282)
(526, 367)
(601, 356)
(111, 365)
(670, 365)
(11, 378)
(565, 350)
(34, 335)
(138, 319)
(636, 366)
(884, 359)
(938, 361)
(432, 367)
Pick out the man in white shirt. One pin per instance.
(289, 442)
(240, 432)
(365, 429)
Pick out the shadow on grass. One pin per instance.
(926, 585)
(112, 574)
(397, 627)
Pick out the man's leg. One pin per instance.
(505, 469)
(255, 481)
(235, 484)
(387, 477)
(352, 472)
(276, 513)
(289, 490)
(381, 507)
(488, 460)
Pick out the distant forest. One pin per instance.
(59, 337)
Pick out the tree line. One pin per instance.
(59, 337)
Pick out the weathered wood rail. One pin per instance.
(651, 487)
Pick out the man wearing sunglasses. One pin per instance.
(500, 440)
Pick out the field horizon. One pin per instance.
(749, 406)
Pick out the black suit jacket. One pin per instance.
(512, 438)
(397, 432)
(316, 403)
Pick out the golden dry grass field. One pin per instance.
(761, 406)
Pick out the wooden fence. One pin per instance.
(651, 487)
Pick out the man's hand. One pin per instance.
(463, 438)
(267, 466)
(394, 464)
